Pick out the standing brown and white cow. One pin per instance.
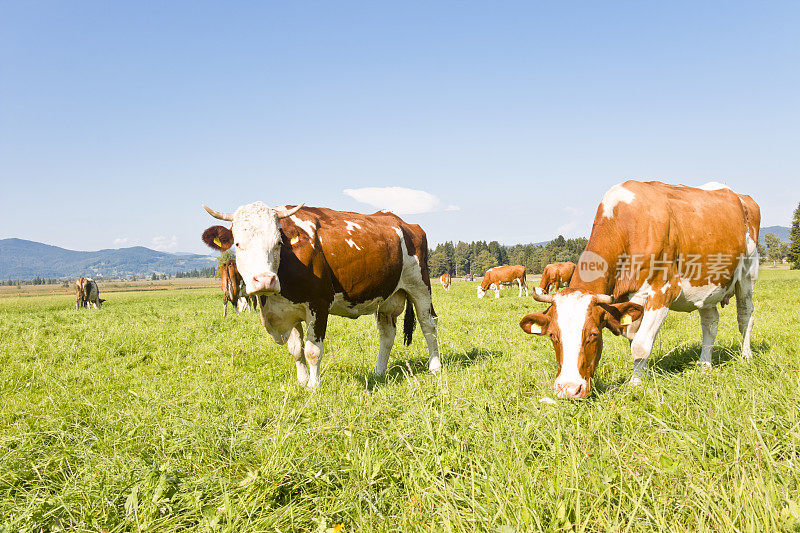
(445, 280)
(555, 275)
(307, 263)
(503, 275)
(653, 247)
(87, 294)
(231, 285)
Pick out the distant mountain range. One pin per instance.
(781, 232)
(21, 259)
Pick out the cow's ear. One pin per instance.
(218, 237)
(535, 324)
(617, 317)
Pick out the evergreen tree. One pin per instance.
(794, 247)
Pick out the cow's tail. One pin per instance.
(409, 322)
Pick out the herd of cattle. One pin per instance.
(654, 247)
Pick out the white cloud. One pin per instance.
(398, 200)
(164, 244)
(567, 228)
(121, 241)
(574, 211)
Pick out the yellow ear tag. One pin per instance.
(626, 319)
(217, 242)
(294, 240)
(536, 328)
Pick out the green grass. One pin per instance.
(156, 414)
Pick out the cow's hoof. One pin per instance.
(635, 381)
(704, 366)
(435, 366)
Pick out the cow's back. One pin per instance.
(671, 224)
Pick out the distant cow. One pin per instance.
(654, 247)
(87, 294)
(555, 275)
(445, 281)
(306, 263)
(503, 275)
(231, 286)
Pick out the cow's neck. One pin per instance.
(604, 242)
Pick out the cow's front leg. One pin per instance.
(642, 343)
(317, 323)
(295, 346)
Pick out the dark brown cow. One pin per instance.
(445, 279)
(555, 275)
(231, 285)
(87, 294)
(306, 263)
(653, 247)
(503, 275)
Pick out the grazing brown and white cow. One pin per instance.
(306, 263)
(503, 275)
(445, 281)
(555, 275)
(231, 286)
(653, 247)
(87, 294)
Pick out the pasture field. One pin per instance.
(156, 414)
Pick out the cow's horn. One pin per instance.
(217, 214)
(605, 299)
(540, 296)
(283, 213)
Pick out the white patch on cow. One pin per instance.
(713, 186)
(616, 194)
(305, 225)
(572, 309)
(692, 297)
(350, 226)
(352, 244)
(398, 231)
(279, 316)
(341, 307)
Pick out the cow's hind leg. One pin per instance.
(744, 313)
(295, 346)
(386, 320)
(709, 322)
(423, 304)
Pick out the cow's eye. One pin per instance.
(591, 336)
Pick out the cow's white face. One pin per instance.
(481, 292)
(257, 241)
(574, 322)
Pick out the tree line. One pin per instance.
(477, 257)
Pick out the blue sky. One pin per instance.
(117, 120)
